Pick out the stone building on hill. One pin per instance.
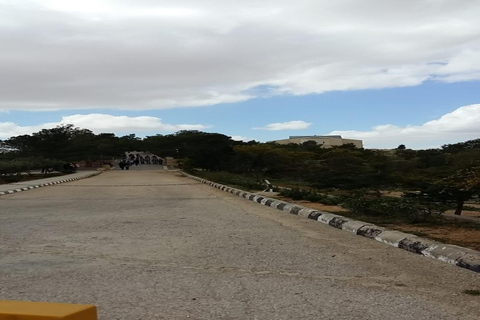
(322, 141)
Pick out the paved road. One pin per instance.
(154, 245)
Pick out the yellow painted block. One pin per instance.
(26, 310)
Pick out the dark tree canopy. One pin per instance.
(440, 173)
(66, 143)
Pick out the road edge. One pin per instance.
(452, 254)
(36, 186)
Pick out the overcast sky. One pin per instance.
(385, 71)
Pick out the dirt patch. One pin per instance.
(394, 194)
(465, 213)
(475, 205)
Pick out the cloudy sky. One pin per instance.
(385, 71)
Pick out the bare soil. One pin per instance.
(466, 213)
(394, 194)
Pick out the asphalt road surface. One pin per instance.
(145, 245)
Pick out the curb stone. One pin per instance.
(459, 256)
(353, 226)
(327, 217)
(305, 212)
(392, 237)
(415, 244)
(370, 231)
(47, 184)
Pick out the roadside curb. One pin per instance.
(459, 256)
(36, 186)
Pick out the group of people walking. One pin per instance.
(125, 164)
(137, 159)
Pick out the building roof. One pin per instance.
(315, 137)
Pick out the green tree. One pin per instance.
(210, 151)
(456, 188)
(56, 143)
(269, 160)
(461, 146)
(345, 168)
(68, 143)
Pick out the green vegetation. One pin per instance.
(17, 166)
(231, 179)
(370, 203)
(66, 143)
(26, 177)
(432, 180)
(310, 195)
(407, 208)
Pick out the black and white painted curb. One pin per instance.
(48, 184)
(462, 257)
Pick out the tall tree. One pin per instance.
(456, 188)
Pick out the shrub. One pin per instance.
(294, 193)
(329, 200)
(25, 165)
(412, 209)
(12, 178)
(186, 165)
(312, 196)
(15, 167)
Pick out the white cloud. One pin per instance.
(147, 54)
(100, 123)
(241, 138)
(290, 125)
(460, 125)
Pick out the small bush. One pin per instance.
(412, 209)
(329, 200)
(14, 167)
(186, 165)
(294, 193)
(312, 196)
(12, 178)
(25, 165)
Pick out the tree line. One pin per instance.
(449, 173)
